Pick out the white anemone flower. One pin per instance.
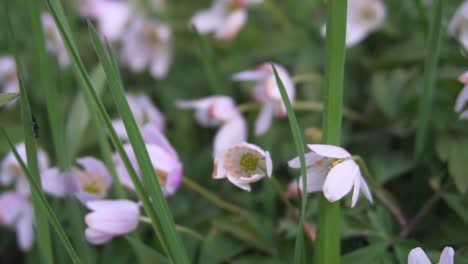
(144, 111)
(363, 18)
(330, 169)
(417, 256)
(267, 93)
(54, 41)
(17, 213)
(110, 218)
(8, 77)
(148, 43)
(459, 24)
(11, 171)
(242, 165)
(225, 18)
(462, 99)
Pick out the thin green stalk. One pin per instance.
(299, 252)
(328, 236)
(43, 229)
(430, 66)
(37, 191)
(277, 185)
(214, 198)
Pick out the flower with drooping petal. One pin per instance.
(112, 16)
(417, 256)
(462, 99)
(267, 93)
(8, 77)
(363, 18)
(164, 158)
(459, 24)
(243, 164)
(219, 110)
(110, 218)
(148, 43)
(144, 111)
(330, 169)
(17, 213)
(225, 18)
(11, 171)
(54, 40)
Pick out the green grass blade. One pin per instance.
(328, 229)
(165, 225)
(37, 191)
(7, 97)
(42, 224)
(299, 255)
(430, 65)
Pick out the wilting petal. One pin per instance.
(329, 151)
(462, 99)
(417, 256)
(447, 256)
(232, 133)
(97, 237)
(263, 122)
(340, 180)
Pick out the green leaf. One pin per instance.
(454, 150)
(459, 203)
(7, 97)
(369, 254)
(146, 254)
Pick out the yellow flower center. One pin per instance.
(162, 177)
(248, 162)
(93, 188)
(92, 183)
(368, 13)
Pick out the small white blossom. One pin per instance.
(243, 164)
(148, 43)
(330, 169)
(225, 18)
(110, 218)
(54, 40)
(462, 99)
(417, 256)
(459, 24)
(266, 92)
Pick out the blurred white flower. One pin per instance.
(243, 164)
(267, 92)
(459, 24)
(112, 16)
(54, 40)
(417, 256)
(144, 111)
(215, 111)
(17, 213)
(110, 218)
(8, 77)
(363, 18)
(462, 98)
(225, 18)
(148, 43)
(11, 171)
(164, 158)
(330, 169)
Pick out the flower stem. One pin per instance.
(215, 199)
(280, 190)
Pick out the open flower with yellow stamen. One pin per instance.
(243, 164)
(332, 170)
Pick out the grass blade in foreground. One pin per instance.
(7, 97)
(328, 229)
(430, 64)
(299, 255)
(166, 226)
(37, 191)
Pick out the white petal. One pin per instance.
(329, 151)
(25, 231)
(251, 179)
(22, 186)
(116, 222)
(162, 60)
(250, 75)
(235, 181)
(310, 159)
(315, 179)
(119, 128)
(206, 21)
(56, 183)
(230, 134)
(269, 164)
(340, 180)
(417, 256)
(97, 167)
(365, 189)
(218, 169)
(263, 122)
(232, 25)
(356, 191)
(462, 99)
(97, 237)
(464, 115)
(447, 256)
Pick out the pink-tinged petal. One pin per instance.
(114, 217)
(447, 256)
(95, 166)
(231, 133)
(161, 62)
(463, 78)
(232, 25)
(463, 37)
(161, 159)
(25, 231)
(315, 179)
(462, 99)
(22, 186)
(340, 180)
(174, 180)
(329, 151)
(356, 191)
(417, 256)
(224, 109)
(263, 122)
(355, 33)
(365, 189)
(250, 75)
(310, 159)
(206, 21)
(269, 164)
(12, 204)
(153, 136)
(57, 183)
(464, 115)
(251, 179)
(218, 169)
(97, 237)
(119, 128)
(238, 183)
